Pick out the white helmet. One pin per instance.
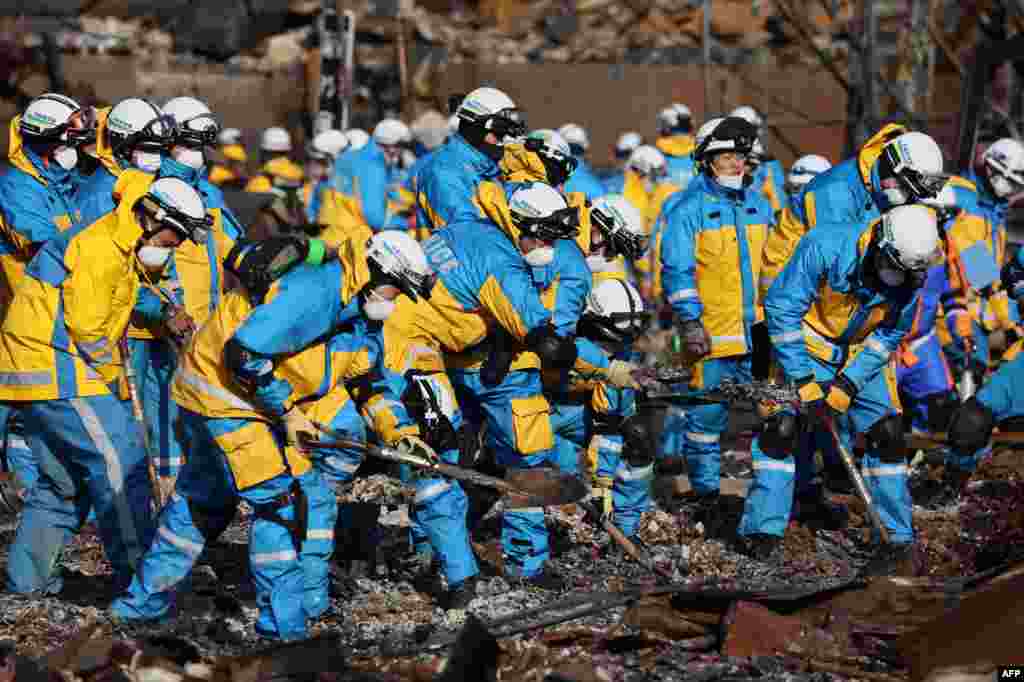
(173, 203)
(276, 139)
(614, 313)
(391, 131)
(621, 224)
(731, 133)
(647, 161)
(627, 142)
(229, 136)
(944, 200)
(673, 118)
(50, 116)
(197, 126)
(909, 241)
(396, 258)
(492, 111)
(554, 151)
(137, 124)
(575, 135)
(540, 211)
(327, 144)
(453, 124)
(705, 130)
(916, 160)
(1004, 160)
(803, 171)
(748, 114)
(357, 138)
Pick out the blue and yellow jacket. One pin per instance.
(584, 181)
(820, 305)
(446, 184)
(363, 181)
(615, 183)
(401, 202)
(678, 151)
(60, 337)
(844, 194)
(38, 201)
(301, 310)
(657, 232)
(710, 259)
(770, 179)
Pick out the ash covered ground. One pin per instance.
(389, 608)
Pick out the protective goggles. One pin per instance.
(156, 136)
(562, 224)
(85, 132)
(558, 164)
(196, 229)
(199, 131)
(412, 284)
(507, 125)
(915, 273)
(919, 185)
(620, 241)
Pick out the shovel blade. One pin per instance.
(543, 488)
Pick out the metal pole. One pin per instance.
(869, 120)
(706, 70)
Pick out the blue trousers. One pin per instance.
(770, 499)
(926, 377)
(20, 460)
(518, 421)
(704, 425)
(154, 362)
(89, 454)
(205, 491)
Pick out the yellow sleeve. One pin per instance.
(379, 413)
(778, 248)
(490, 197)
(499, 305)
(89, 310)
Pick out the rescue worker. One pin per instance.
(277, 171)
(133, 134)
(676, 143)
(239, 385)
(836, 314)
(363, 179)
(62, 362)
(624, 146)
(710, 258)
(229, 170)
(978, 237)
(582, 179)
(488, 119)
(893, 168)
(769, 178)
(357, 138)
(191, 286)
(321, 154)
(40, 198)
(802, 172)
(617, 237)
(647, 186)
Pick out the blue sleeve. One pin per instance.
(574, 285)
(881, 344)
(306, 308)
(591, 360)
(778, 179)
(373, 189)
(149, 306)
(678, 265)
(448, 195)
(1002, 393)
(26, 213)
(788, 300)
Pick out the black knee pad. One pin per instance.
(211, 522)
(941, 407)
(971, 427)
(886, 437)
(638, 444)
(780, 435)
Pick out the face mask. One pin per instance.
(895, 196)
(539, 257)
(66, 157)
(193, 158)
(377, 308)
(154, 257)
(1001, 187)
(730, 181)
(147, 162)
(600, 264)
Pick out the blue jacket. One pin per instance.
(447, 184)
(770, 179)
(820, 304)
(583, 180)
(615, 183)
(710, 261)
(1002, 392)
(365, 179)
(97, 195)
(565, 283)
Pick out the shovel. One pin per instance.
(522, 488)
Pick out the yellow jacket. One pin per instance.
(278, 167)
(840, 195)
(60, 338)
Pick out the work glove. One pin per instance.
(696, 342)
(841, 393)
(180, 325)
(417, 447)
(300, 431)
(620, 374)
(601, 499)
